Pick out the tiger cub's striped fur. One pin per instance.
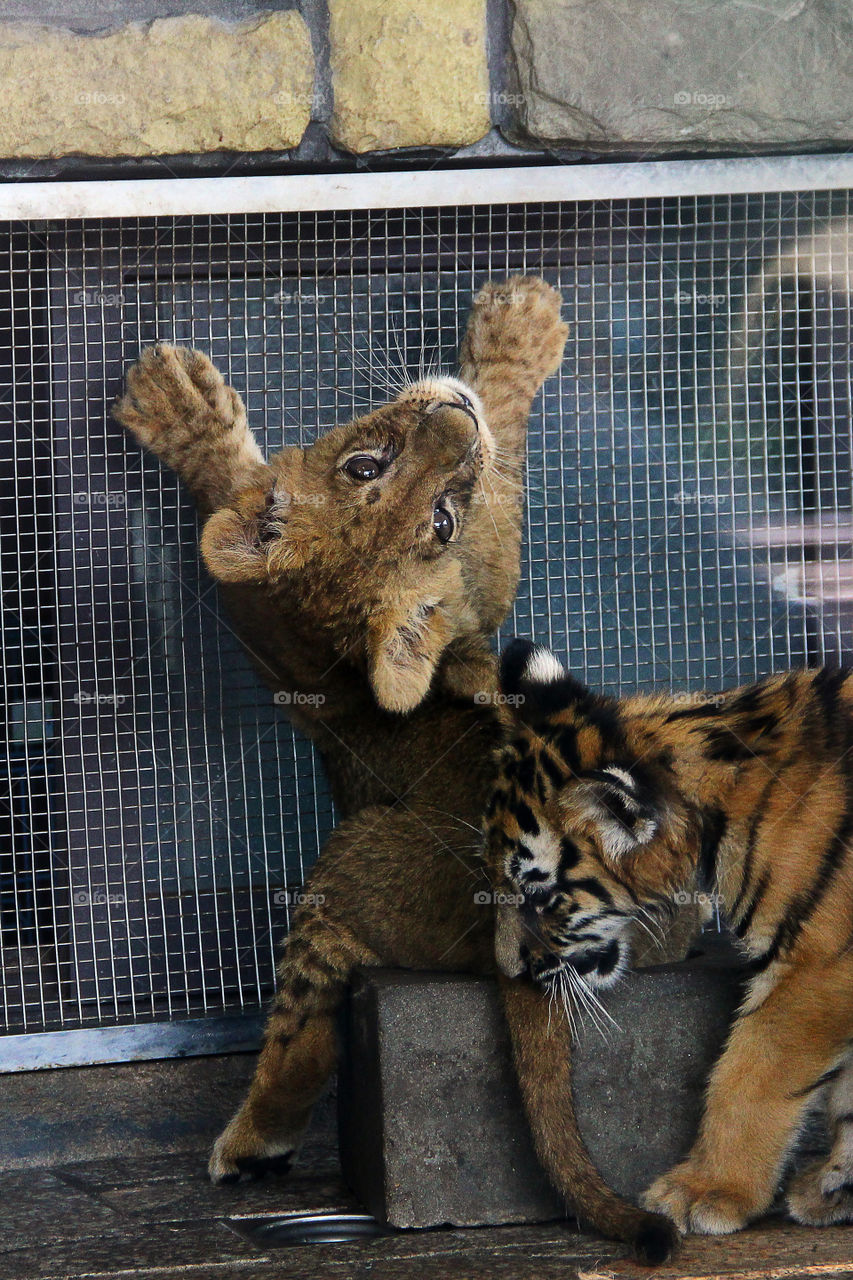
(607, 809)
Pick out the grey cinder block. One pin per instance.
(431, 1125)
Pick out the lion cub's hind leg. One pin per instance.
(299, 1051)
(822, 1194)
(179, 406)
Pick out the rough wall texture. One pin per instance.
(408, 74)
(662, 74)
(494, 78)
(175, 85)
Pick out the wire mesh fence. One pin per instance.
(688, 524)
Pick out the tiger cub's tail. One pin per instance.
(541, 1047)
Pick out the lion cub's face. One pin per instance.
(359, 532)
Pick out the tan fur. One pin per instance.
(342, 590)
(754, 790)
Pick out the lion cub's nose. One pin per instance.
(453, 429)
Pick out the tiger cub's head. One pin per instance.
(585, 830)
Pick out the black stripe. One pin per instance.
(565, 743)
(523, 815)
(826, 688)
(714, 823)
(722, 743)
(804, 905)
(832, 1074)
(592, 887)
(752, 906)
(700, 711)
(749, 851)
(569, 854)
(555, 775)
(749, 701)
(525, 772)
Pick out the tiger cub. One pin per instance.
(607, 809)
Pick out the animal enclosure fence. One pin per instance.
(688, 523)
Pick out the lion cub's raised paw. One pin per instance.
(175, 390)
(517, 320)
(695, 1202)
(179, 406)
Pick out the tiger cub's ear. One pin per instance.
(620, 805)
(536, 683)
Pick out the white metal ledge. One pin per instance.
(179, 197)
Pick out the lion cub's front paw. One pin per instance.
(518, 320)
(177, 391)
(241, 1151)
(696, 1202)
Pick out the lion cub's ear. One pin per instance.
(250, 542)
(407, 637)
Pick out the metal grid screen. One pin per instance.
(688, 522)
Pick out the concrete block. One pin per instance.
(431, 1125)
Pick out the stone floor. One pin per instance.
(143, 1218)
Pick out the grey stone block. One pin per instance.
(431, 1124)
(646, 75)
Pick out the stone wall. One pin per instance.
(236, 84)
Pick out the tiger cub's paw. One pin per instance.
(695, 1203)
(517, 320)
(821, 1194)
(177, 391)
(240, 1150)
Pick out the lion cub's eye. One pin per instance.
(363, 467)
(442, 522)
